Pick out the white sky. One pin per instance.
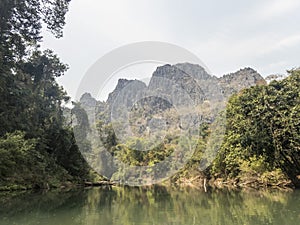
(225, 35)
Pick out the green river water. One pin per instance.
(151, 206)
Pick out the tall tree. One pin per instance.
(21, 63)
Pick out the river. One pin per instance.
(149, 206)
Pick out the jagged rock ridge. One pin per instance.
(178, 84)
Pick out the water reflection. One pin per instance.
(157, 205)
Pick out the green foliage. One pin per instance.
(21, 164)
(263, 131)
(14, 151)
(36, 147)
(255, 164)
(136, 152)
(82, 128)
(107, 135)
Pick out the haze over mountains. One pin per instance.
(179, 84)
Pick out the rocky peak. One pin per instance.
(126, 90)
(181, 70)
(194, 70)
(165, 71)
(174, 80)
(122, 83)
(243, 78)
(87, 100)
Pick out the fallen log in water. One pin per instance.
(99, 183)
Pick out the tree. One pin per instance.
(23, 67)
(263, 123)
(30, 96)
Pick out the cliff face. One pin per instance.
(182, 84)
(126, 92)
(199, 85)
(170, 86)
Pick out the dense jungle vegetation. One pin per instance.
(260, 148)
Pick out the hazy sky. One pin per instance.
(225, 35)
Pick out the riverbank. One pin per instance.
(199, 181)
(235, 184)
(255, 181)
(93, 179)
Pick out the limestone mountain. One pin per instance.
(170, 86)
(178, 100)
